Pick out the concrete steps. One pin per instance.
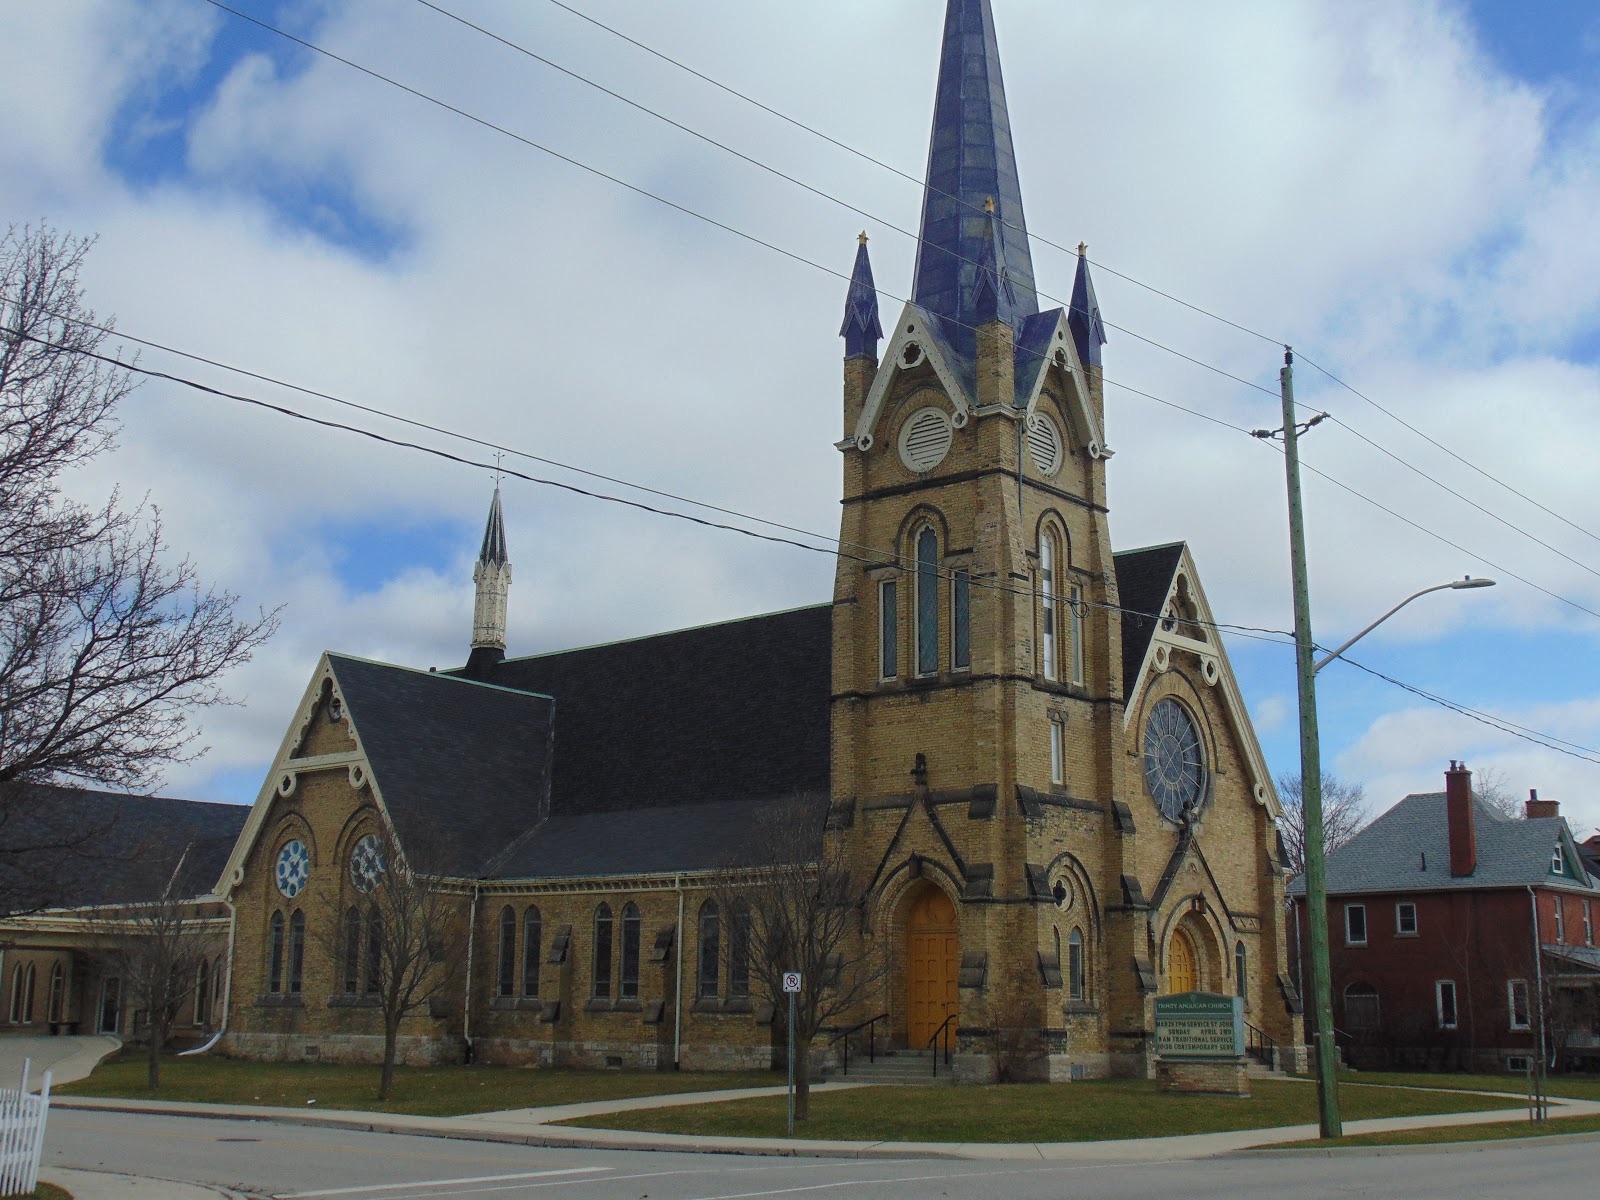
(895, 1068)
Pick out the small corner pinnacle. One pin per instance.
(861, 239)
(988, 205)
(1083, 249)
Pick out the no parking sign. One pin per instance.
(791, 982)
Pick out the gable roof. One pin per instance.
(66, 847)
(1407, 849)
(731, 712)
(462, 768)
(1144, 577)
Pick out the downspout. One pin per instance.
(677, 1003)
(1538, 970)
(466, 999)
(227, 987)
(1021, 425)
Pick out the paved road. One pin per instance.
(300, 1163)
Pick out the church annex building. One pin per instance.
(1030, 748)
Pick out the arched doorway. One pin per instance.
(1183, 963)
(932, 959)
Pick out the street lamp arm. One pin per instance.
(1457, 584)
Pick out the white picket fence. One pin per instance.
(22, 1120)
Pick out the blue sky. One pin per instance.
(1404, 192)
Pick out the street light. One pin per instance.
(1454, 585)
(1306, 668)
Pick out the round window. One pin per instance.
(1044, 444)
(1174, 763)
(925, 439)
(366, 863)
(293, 868)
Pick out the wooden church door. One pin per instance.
(1182, 975)
(931, 962)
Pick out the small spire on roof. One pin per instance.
(1088, 330)
(861, 331)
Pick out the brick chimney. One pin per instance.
(1458, 813)
(1541, 808)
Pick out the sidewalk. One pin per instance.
(533, 1127)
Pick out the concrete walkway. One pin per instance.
(66, 1058)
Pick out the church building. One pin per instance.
(1029, 747)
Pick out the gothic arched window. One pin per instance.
(505, 980)
(275, 954)
(739, 951)
(628, 989)
(1077, 983)
(602, 952)
(532, 935)
(352, 951)
(297, 952)
(710, 949)
(1049, 652)
(1239, 970)
(374, 951)
(56, 1010)
(927, 601)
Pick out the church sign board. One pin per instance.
(1199, 1025)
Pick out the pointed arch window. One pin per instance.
(532, 936)
(374, 951)
(739, 952)
(1049, 559)
(960, 619)
(352, 951)
(297, 952)
(275, 954)
(1241, 976)
(927, 601)
(1077, 986)
(16, 994)
(56, 1010)
(710, 949)
(602, 952)
(217, 976)
(888, 629)
(628, 987)
(505, 981)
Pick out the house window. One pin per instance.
(1517, 1003)
(505, 980)
(27, 998)
(352, 952)
(532, 933)
(1355, 924)
(1241, 976)
(1075, 981)
(888, 629)
(16, 994)
(57, 1008)
(297, 952)
(275, 954)
(1075, 616)
(1561, 923)
(1047, 605)
(739, 952)
(927, 602)
(1058, 751)
(1361, 1006)
(1557, 865)
(710, 949)
(1444, 994)
(602, 952)
(960, 619)
(374, 951)
(1405, 919)
(629, 989)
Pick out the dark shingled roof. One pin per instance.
(730, 712)
(695, 837)
(1389, 854)
(1143, 579)
(463, 767)
(63, 847)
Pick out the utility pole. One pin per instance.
(1324, 1046)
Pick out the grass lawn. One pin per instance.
(1459, 1133)
(1577, 1087)
(1104, 1110)
(418, 1091)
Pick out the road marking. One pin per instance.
(429, 1183)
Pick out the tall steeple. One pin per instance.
(861, 331)
(492, 580)
(973, 263)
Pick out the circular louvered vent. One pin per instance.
(1044, 444)
(925, 439)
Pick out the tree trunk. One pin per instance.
(157, 1037)
(391, 1038)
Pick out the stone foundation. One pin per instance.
(1216, 1077)
(340, 1047)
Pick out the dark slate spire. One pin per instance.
(1088, 331)
(970, 163)
(494, 535)
(861, 331)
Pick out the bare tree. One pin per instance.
(1344, 814)
(791, 905)
(106, 643)
(394, 940)
(1492, 786)
(158, 947)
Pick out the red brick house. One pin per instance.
(1460, 938)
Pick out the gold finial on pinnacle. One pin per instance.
(1083, 248)
(988, 205)
(863, 238)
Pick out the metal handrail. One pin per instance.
(872, 1039)
(936, 1034)
(1258, 1040)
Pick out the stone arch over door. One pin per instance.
(1192, 964)
(932, 958)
